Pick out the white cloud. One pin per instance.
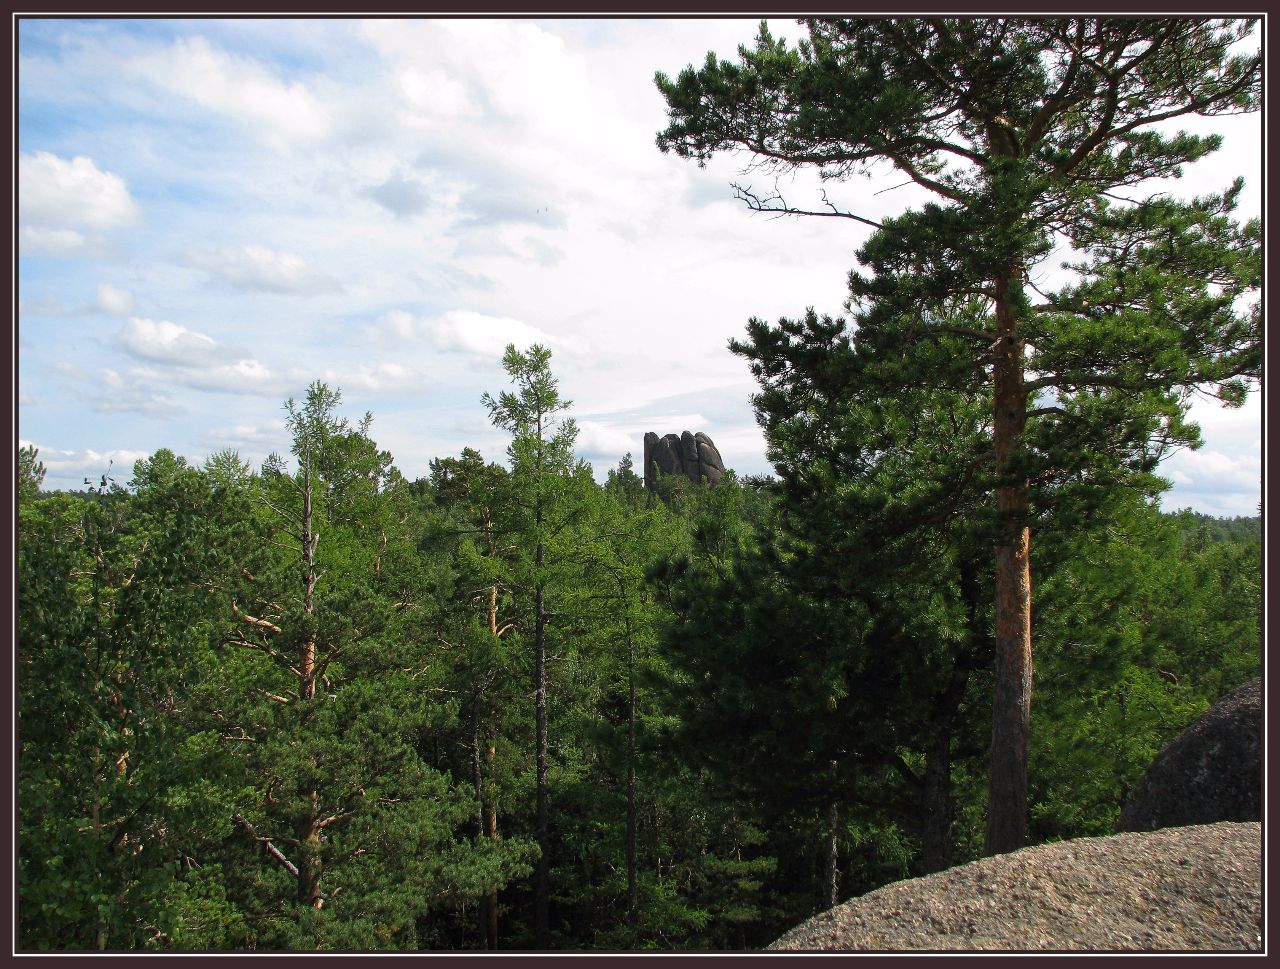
(54, 242)
(366, 378)
(57, 194)
(1225, 476)
(446, 70)
(599, 440)
(403, 197)
(113, 301)
(466, 332)
(253, 437)
(481, 335)
(46, 305)
(69, 469)
(245, 376)
(112, 392)
(259, 268)
(282, 113)
(169, 343)
(1214, 482)
(174, 355)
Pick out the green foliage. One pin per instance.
(706, 661)
(115, 799)
(337, 686)
(31, 473)
(624, 484)
(1146, 621)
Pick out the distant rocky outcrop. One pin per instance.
(1210, 772)
(693, 456)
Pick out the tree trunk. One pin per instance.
(541, 874)
(935, 839)
(489, 810)
(491, 900)
(100, 936)
(310, 539)
(832, 880)
(487, 816)
(477, 779)
(633, 889)
(1011, 715)
(309, 865)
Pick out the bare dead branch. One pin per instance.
(334, 819)
(267, 844)
(757, 204)
(253, 621)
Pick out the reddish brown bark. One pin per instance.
(1011, 715)
(309, 866)
(307, 657)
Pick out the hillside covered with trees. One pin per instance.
(316, 705)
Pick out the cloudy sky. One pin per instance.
(214, 213)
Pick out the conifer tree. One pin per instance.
(478, 520)
(348, 835)
(1033, 137)
(123, 797)
(547, 484)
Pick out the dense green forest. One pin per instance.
(316, 705)
(328, 707)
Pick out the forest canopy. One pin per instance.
(301, 708)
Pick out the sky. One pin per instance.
(214, 213)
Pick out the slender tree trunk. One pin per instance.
(633, 888)
(491, 900)
(310, 539)
(1011, 719)
(477, 780)
(309, 865)
(936, 801)
(832, 880)
(937, 806)
(541, 885)
(100, 936)
(488, 809)
(486, 817)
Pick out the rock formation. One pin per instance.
(693, 456)
(1210, 772)
(1194, 888)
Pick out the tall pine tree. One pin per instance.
(1033, 136)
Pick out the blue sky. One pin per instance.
(213, 213)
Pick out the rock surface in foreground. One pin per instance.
(1193, 888)
(1211, 772)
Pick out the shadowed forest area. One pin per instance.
(316, 705)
